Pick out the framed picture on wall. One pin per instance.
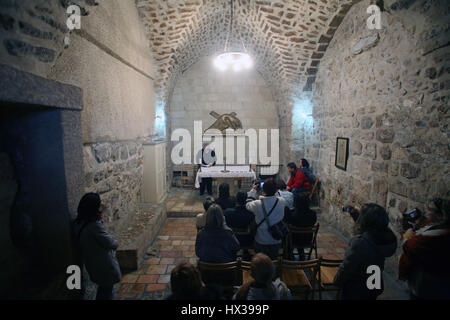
(342, 153)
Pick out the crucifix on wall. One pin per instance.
(225, 121)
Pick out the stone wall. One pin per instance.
(109, 58)
(387, 90)
(32, 32)
(115, 171)
(203, 88)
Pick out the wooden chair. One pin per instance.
(243, 232)
(290, 246)
(294, 275)
(328, 270)
(186, 180)
(315, 191)
(228, 275)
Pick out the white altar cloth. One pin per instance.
(216, 172)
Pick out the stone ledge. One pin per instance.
(17, 86)
(135, 239)
(182, 214)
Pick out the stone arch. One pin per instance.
(293, 35)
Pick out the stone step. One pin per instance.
(182, 214)
(135, 240)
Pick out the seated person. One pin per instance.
(304, 167)
(256, 191)
(201, 217)
(264, 242)
(224, 200)
(302, 217)
(298, 182)
(425, 262)
(286, 195)
(239, 217)
(262, 286)
(186, 284)
(216, 242)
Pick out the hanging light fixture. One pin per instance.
(235, 60)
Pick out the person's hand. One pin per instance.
(210, 165)
(288, 188)
(408, 234)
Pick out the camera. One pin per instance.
(259, 184)
(411, 218)
(354, 213)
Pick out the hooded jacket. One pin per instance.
(364, 250)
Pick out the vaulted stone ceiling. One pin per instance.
(287, 38)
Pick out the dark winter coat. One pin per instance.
(216, 245)
(363, 251)
(97, 249)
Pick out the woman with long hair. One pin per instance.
(216, 242)
(97, 247)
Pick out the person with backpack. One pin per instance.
(269, 214)
(261, 286)
(97, 247)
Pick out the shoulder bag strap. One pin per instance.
(266, 215)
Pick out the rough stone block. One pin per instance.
(365, 44)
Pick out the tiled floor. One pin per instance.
(176, 243)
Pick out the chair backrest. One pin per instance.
(293, 230)
(330, 263)
(314, 189)
(300, 265)
(225, 274)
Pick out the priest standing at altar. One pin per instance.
(206, 158)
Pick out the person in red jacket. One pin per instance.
(298, 181)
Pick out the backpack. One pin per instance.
(279, 230)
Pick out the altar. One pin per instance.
(234, 173)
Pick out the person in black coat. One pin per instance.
(302, 217)
(225, 201)
(239, 217)
(216, 242)
(97, 247)
(373, 243)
